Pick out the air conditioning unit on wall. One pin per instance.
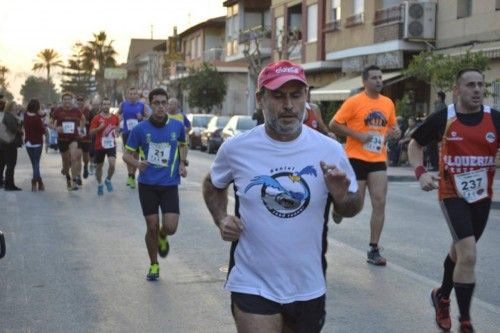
(420, 20)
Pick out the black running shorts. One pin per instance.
(84, 146)
(300, 317)
(64, 145)
(153, 197)
(99, 155)
(465, 219)
(362, 168)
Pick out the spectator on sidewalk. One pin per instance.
(431, 151)
(393, 144)
(34, 130)
(405, 140)
(13, 125)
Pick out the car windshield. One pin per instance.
(222, 121)
(200, 121)
(246, 123)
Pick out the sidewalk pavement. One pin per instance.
(406, 174)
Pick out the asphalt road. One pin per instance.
(77, 263)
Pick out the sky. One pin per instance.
(29, 26)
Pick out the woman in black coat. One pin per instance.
(13, 125)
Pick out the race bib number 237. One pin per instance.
(472, 185)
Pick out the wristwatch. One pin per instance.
(186, 162)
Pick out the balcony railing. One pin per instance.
(355, 19)
(254, 33)
(213, 55)
(389, 15)
(333, 25)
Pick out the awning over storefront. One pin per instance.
(342, 88)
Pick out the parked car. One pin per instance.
(211, 137)
(199, 122)
(237, 125)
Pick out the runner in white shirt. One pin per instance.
(285, 176)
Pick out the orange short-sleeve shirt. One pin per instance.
(367, 115)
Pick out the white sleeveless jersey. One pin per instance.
(283, 197)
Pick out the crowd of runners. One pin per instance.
(297, 175)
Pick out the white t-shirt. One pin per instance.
(283, 198)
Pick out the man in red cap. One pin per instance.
(278, 233)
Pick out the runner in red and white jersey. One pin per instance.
(468, 132)
(104, 126)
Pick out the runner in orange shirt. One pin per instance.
(366, 119)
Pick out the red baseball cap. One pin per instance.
(280, 72)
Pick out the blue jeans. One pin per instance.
(35, 153)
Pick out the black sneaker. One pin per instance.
(12, 188)
(337, 218)
(85, 173)
(375, 258)
(78, 181)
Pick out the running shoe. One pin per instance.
(442, 309)
(337, 218)
(466, 327)
(85, 173)
(100, 189)
(69, 184)
(131, 182)
(375, 258)
(91, 168)
(163, 246)
(108, 184)
(154, 272)
(78, 180)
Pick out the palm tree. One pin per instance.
(3, 80)
(47, 59)
(99, 54)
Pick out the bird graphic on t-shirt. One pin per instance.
(286, 198)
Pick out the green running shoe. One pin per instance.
(131, 182)
(154, 272)
(163, 246)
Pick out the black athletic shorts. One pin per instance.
(64, 145)
(465, 219)
(99, 155)
(300, 317)
(362, 168)
(153, 197)
(84, 146)
(92, 147)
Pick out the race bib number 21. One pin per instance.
(159, 153)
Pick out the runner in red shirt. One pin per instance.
(86, 140)
(104, 126)
(69, 123)
(468, 132)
